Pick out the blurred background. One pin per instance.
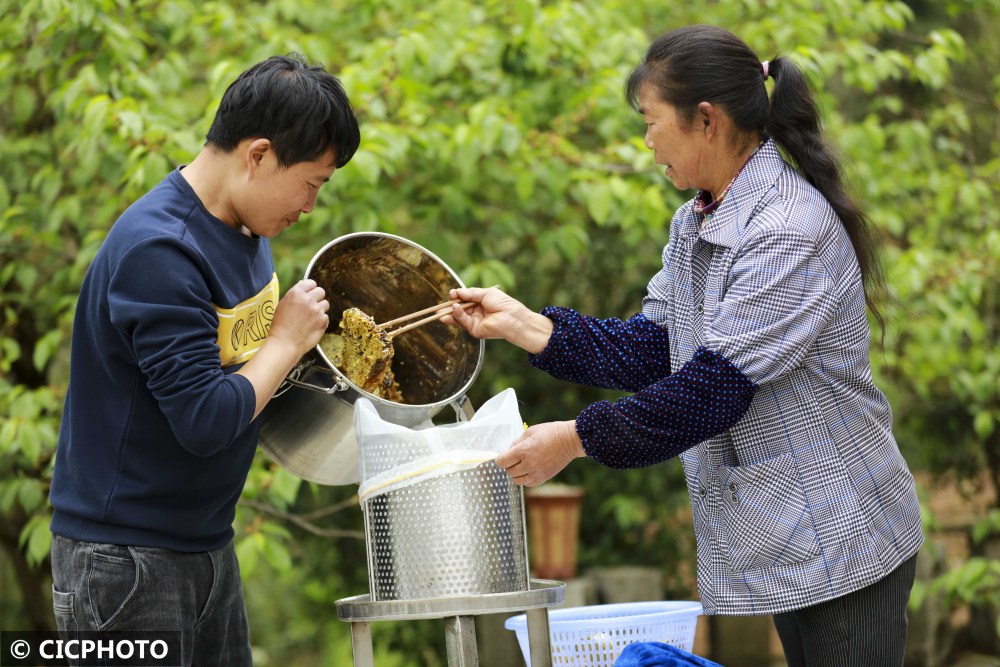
(495, 134)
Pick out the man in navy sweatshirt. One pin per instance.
(179, 342)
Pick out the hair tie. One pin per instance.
(763, 66)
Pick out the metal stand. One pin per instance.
(458, 613)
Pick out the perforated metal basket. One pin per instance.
(457, 534)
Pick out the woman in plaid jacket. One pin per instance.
(749, 360)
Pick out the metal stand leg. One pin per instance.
(459, 613)
(361, 643)
(460, 638)
(538, 637)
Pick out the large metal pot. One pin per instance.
(308, 427)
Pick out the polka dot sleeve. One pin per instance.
(707, 396)
(615, 354)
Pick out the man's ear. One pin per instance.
(255, 152)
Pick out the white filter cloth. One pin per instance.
(394, 456)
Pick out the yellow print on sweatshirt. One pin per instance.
(243, 329)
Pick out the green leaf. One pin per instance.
(366, 165)
(9, 492)
(985, 423)
(988, 525)
(275, 530)
(917, 595)
(46, 346)
(571, 241)
(27, 276)
(285, 486)
(277, 555)
(4, 196)
(36, 539)
(8, 434)
(24, 104)
(247, 554)
(30, 495)
(29, 442)
(599, 200)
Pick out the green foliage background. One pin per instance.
(495, 134)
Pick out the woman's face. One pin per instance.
(677, 144)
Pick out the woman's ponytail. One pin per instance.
(793, 121)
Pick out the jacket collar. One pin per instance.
(725, 228)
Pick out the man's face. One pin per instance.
(276, 197)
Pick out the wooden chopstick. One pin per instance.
(436, 316)
(411, 316)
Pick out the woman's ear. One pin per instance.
(706, 116)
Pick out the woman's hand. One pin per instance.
(497, 315)
(541, 452)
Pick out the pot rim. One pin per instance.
(459, 395)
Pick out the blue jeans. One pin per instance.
(107, 587)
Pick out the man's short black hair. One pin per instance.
(302, 109)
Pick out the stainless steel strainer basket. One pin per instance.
(457, 534)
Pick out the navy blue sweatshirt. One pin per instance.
(157, 434)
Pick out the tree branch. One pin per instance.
(330, 509)
(303, 520)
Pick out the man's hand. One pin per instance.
(301, 316)
(541, 452)
(300, 320)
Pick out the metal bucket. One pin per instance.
(308, 427)
(458, 534)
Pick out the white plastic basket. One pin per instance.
(594, 636)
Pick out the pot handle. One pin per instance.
(463, 409)
(297, 378)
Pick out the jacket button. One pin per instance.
(736, 498)
(702, 491)
(700, 308)
(732, 487)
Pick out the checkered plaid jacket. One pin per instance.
(798, 489)
(806, 497)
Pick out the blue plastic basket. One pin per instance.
(594, 636)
